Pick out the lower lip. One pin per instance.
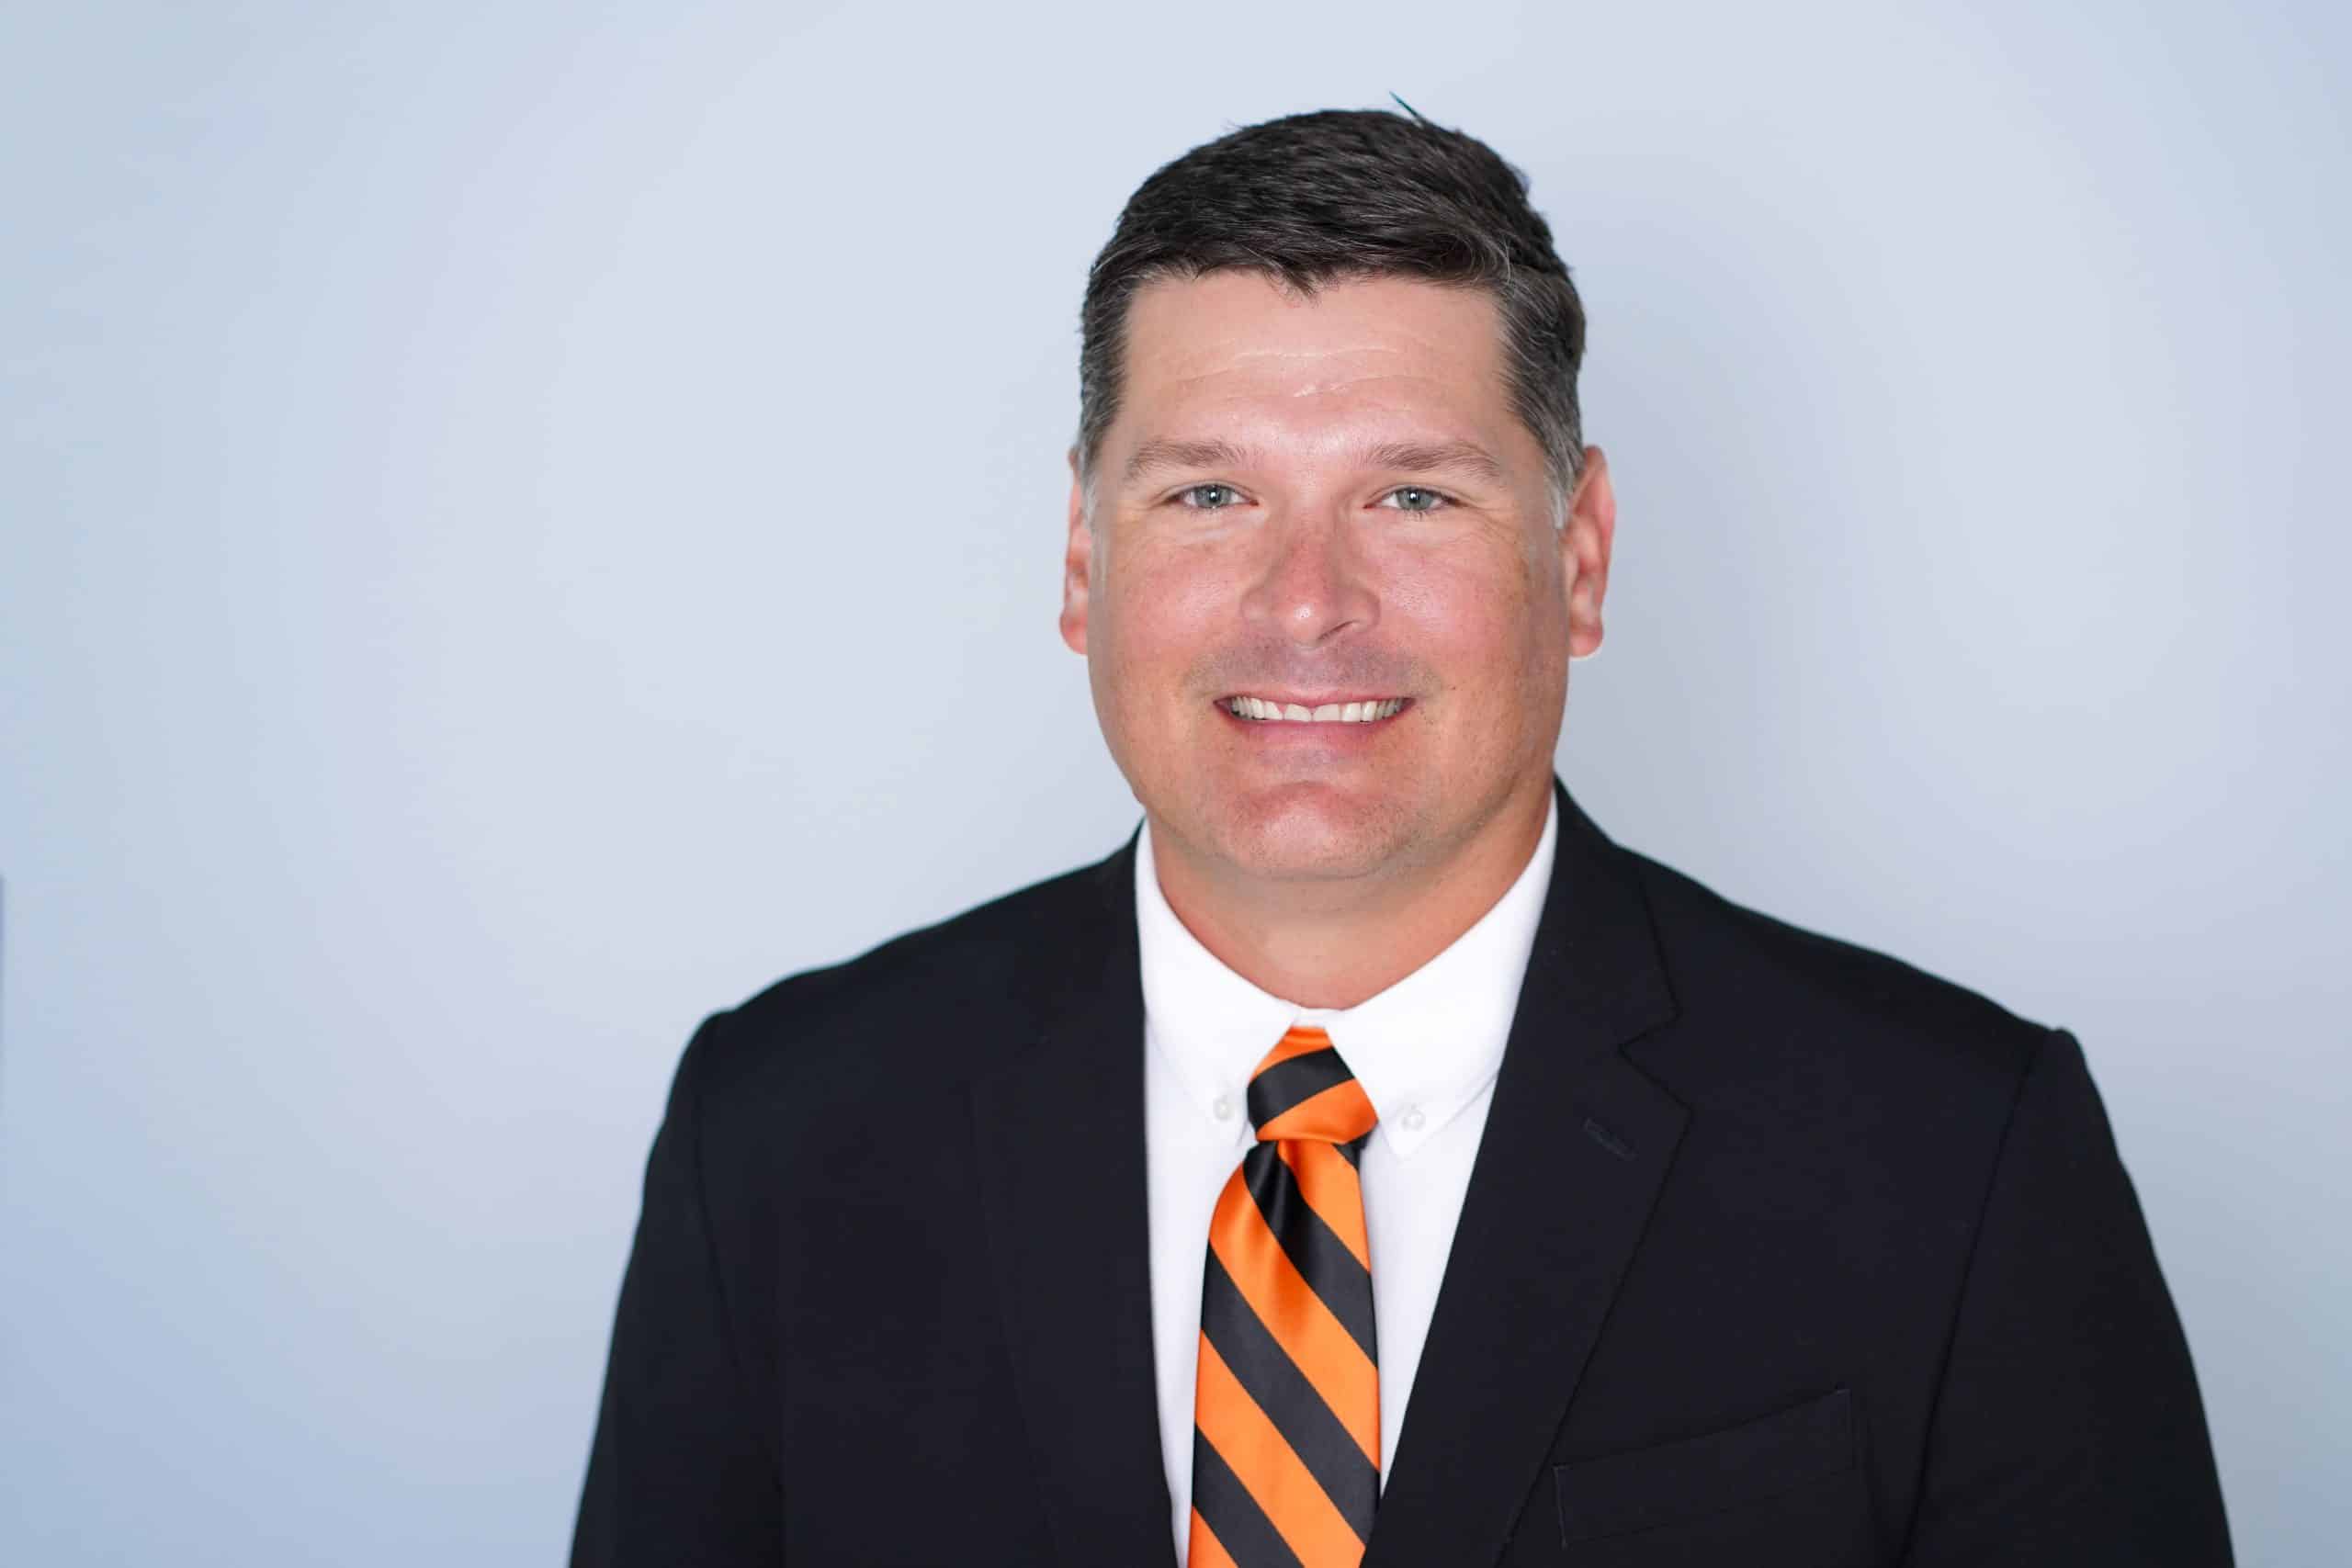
(1295, 732)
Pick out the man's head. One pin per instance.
(1329, 454)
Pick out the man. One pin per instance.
(1371, 1161)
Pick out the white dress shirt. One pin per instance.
(1426, 1051)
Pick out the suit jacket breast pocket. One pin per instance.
(1785, 1486)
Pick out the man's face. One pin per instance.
(1317, 503)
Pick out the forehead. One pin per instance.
(1239, 354)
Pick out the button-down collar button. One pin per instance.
(1412, 1118)
(1223, 1107)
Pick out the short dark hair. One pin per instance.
(1341, 195)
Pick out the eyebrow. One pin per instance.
(1461, 457)
(1155, 455)
(1417, 456)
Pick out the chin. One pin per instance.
(1315, 840)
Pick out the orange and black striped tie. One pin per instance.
(1286, 1410)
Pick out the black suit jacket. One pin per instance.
(1776, 1251)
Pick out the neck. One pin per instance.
(1333, 943)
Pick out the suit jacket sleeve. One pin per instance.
(2068, 1428)
(681, 1469)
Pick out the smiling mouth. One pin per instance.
(1266, 710)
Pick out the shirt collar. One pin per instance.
(1424, 1049)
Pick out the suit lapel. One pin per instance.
(1060, 1135)
(1577, 1143)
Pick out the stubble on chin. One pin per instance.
(1274, 836)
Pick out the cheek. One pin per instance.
(1478, 625)
(1171, 604)
(1165, 614)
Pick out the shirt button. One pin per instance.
(1412, 1118)
(1223, 1107)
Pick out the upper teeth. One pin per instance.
(1298, 713)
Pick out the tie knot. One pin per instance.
(1302, 1091)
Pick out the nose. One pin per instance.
(1312, 584)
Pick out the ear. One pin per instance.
(1077, 559)
(1585, 541)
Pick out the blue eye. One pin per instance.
(1210, 497)
(1414, 498)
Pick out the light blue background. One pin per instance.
(520, 525)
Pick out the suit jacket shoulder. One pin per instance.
(1771, 1014)
(933, 1005)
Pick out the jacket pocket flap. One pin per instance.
(1617, 1492)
